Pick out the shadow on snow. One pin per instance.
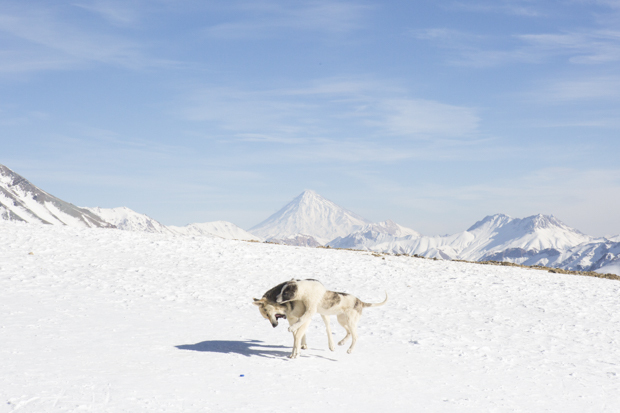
(246, 348)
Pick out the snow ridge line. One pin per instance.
(552, 270)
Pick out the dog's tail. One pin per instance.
(376, 304)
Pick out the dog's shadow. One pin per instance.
(246, 348)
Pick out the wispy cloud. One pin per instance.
(419, 118)
(615, 4)
(599, 46)
(583, 198)
(42, 39)
(332, 109)
(116, 12)
(266, 18)
(594, 42)
(578, 90)
(524, 8)
(583, 47)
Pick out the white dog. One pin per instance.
(316, 298)
(273, 311)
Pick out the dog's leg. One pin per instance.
(343, 320)
(297, 339)
(353, 318)
(306, 317)
(330, 340)
(295, 351)
(292, 320)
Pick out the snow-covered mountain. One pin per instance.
(129, 220)
(20, 200)
(517, 238)
(221, 229)
(311, 220)
(373, 234)
(601, 255)
(297, 240)
(536, 240)
(496, 234)
(312, 215)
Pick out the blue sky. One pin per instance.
(431, 113)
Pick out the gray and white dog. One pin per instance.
(299, 300)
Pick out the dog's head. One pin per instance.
(288, 292)
(270, 310)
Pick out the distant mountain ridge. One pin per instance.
(373, 234)
(493, 235)
(129, 220)
(310, 220)
(221, 229)
(22, 201)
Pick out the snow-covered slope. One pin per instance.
(599, 255)
(373, 234)
(129, 220)
(310, 214)
(20, 200)
(119, 321)
(222, 229)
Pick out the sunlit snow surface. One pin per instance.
(116, 321)
(220, 229)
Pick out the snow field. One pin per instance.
(113, 321)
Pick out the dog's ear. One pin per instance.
(258, 302)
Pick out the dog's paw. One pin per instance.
(304, 346)
(341, 343)
(332, 347)
(293, 328)
(349, 351)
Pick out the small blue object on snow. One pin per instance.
(242, 375)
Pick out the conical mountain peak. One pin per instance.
(310, 214)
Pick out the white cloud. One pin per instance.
(574, 90)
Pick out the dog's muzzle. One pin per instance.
(278, 316)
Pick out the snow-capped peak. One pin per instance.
(490, 222)
(311, 214)
(535, 233)
(539, 222)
